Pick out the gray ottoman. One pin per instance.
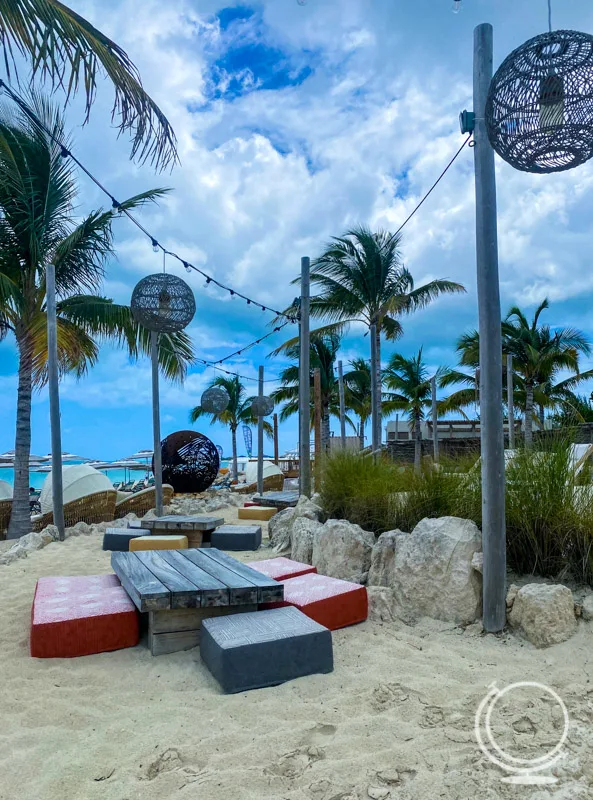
(119, 538)
(264, 648)
(237, 537)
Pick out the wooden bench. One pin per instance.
(179, 588)
(197, 529)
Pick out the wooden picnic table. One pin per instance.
(180, 587)
(280, 500)
(198, 529)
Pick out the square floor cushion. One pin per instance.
(279, 569)
(79, 616)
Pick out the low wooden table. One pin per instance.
(179, 588)
(279, 500)
(197, 529)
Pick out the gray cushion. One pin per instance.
(264, 648)
(119, 538)
(237, 537)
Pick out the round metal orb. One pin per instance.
(190, 461)
(262, 406)
(215, 400)
(539, 111)
(163, 303)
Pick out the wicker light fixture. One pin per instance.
(539, 112)
(163, 303)
(215, 400)
(262, 406)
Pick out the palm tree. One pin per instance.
(237, 412)
(409, 381)
(37, 192)
(357, 385)
(323, 351)
(67, 52)
(361, 277)
(539, 356)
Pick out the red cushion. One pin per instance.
(279, 569)
(81, 616)
(249, 504)
(329, 601)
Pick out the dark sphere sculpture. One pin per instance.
(215, 400)
(163, 303)
(190, 461)
(262, 406)
(539, 111)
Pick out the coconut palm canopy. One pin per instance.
(37, 226)
(65, 51)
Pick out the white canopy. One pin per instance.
(269, 469)
(5, 490)
(78, 480)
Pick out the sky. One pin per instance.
(296, 122)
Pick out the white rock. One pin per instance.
(82, 528)
(307, 508)
(433, 573)
(378, 792)
(382, 568)
(302, 534)
(381, 604)
(512, 595)
(279, 530)
(588, 608)
(343, 550)
(216, 504)
(544, 613)
(478, 562)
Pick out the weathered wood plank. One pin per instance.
(174, 522)
(277, 499)
(190, 619)
(212, 591)
(184, 593)
(268, 590)
(161, 644)
(241, 591)
(146, 592)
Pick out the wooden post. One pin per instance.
(276, 455)
(375, 390)
(305, 385)
(54, 401)
(342, 405)
(156, 424)
(435, 417)
(317, 399)
(491, 417)
(510, 401)
(260, 438)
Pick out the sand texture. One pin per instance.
(394, 720)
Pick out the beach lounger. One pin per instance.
(273, 483)
(5, 509)
(140, 503)
(92, 508)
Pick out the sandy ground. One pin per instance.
(394, 720)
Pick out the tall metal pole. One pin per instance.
(276, 454)
(305, 386)
(156, 424)
(317, 401)
(510, 402)
(435, 421)
(54, 401)
(375, 420)
(342, 405)
(260, 438)
(491, 417)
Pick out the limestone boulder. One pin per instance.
(381, 604)
(302, 535)
(587, 612)
(433, 574)
(343, 550)
(308, 508)
(382, 571)
(544, 613)
(279, 528)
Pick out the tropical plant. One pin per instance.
(361, 278)
(236, 413)
(539, 354)
(323, 351)
(574, 411)
(409, 382)
(357, 391)
(37, 192)
(69, 53)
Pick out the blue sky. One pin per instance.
(296, 122)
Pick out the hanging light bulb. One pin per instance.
(456, 6)
(164, 301)
(155, 245)
(551, 102)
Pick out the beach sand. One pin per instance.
(394, 720)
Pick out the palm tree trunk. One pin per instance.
(417, 444)
(528, 417)
(234, 442)
(542, 417)
(361, 434)
(20, 518)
